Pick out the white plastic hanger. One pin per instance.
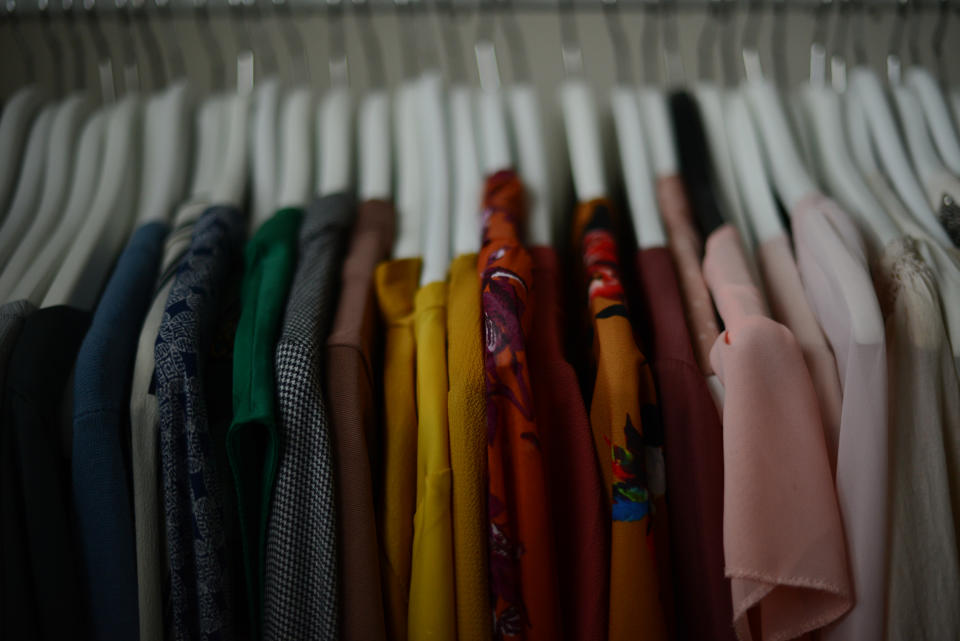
(409, 199)
(839, 172)
(336, 146)
(86, 266)
(375, 148)
(750, 170)
(335, 117)
(18, 114)
(296, 151)
(166, 149)
(62, 142)
(466, 172)
(893, 157)
(40, 266)
(937, 114)
(495, 141)
(266, 106)
(824, 112)
(435, 179)
(209, 133)
(635, 167)
(30, 184)
(230, 185)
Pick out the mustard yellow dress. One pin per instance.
(431, 615)
(396, 284)
(467, 415)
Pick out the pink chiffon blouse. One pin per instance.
(783, 538)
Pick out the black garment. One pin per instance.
(695, 162)
(42, 593)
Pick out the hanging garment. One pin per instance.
(467, 417)
(101, 423)
(943, 261)
(144, 439)
(788, 305)
(924, 580)
(788, 578)
(432, 612)
(687, 249)
(693, 446)
(577, 511)
(832, 263)
(18, 609)
(949, 215)
(396, 284)
(696, 166)
(301, 578)
(191, 456)
(943, 189)
(270, 260)
(522, 565)
(43, 574)
(352, 392)
(627, 435)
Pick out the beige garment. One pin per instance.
(789, 305)
(686, 247)
(144, 457)
(943, 261)
(923, 585)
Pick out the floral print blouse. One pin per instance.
(522, 575)
(625, 421)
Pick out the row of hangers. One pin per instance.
(78, 191)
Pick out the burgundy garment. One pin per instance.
(693, 448)
(576, 495)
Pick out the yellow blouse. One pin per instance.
(396, 283)
(468, 450)
(432, 602)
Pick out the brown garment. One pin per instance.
(693, 449)
(351, 394)
(686, 247)
(576, 495)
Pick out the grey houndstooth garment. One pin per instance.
(201, 596)
(300, 600)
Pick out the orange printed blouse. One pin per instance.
(522, 575)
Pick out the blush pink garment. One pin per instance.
(686, 247)
(833, 265)
(782, 534)
(788, 304)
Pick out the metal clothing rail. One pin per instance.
(56, 7)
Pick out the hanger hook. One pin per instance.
(450, 35)
(175, 60)
(108, 91)
(649, 42)
(53, 45)
(408, 37)
(291, 35)
(749, 42)
(218, 65)
(151, 43)
(485, 50)
(672, 59)
(371, 44)
(76, 45)
(571, 51)
(29, 61)
(818, 43)
(707, 41)
(894, 62)
(618, 39)
(519, 60)
(838, 63)
(936, 39)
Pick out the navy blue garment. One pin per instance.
(101, 433)
(36, 430)
(191, 457)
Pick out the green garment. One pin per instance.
(271, 258)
